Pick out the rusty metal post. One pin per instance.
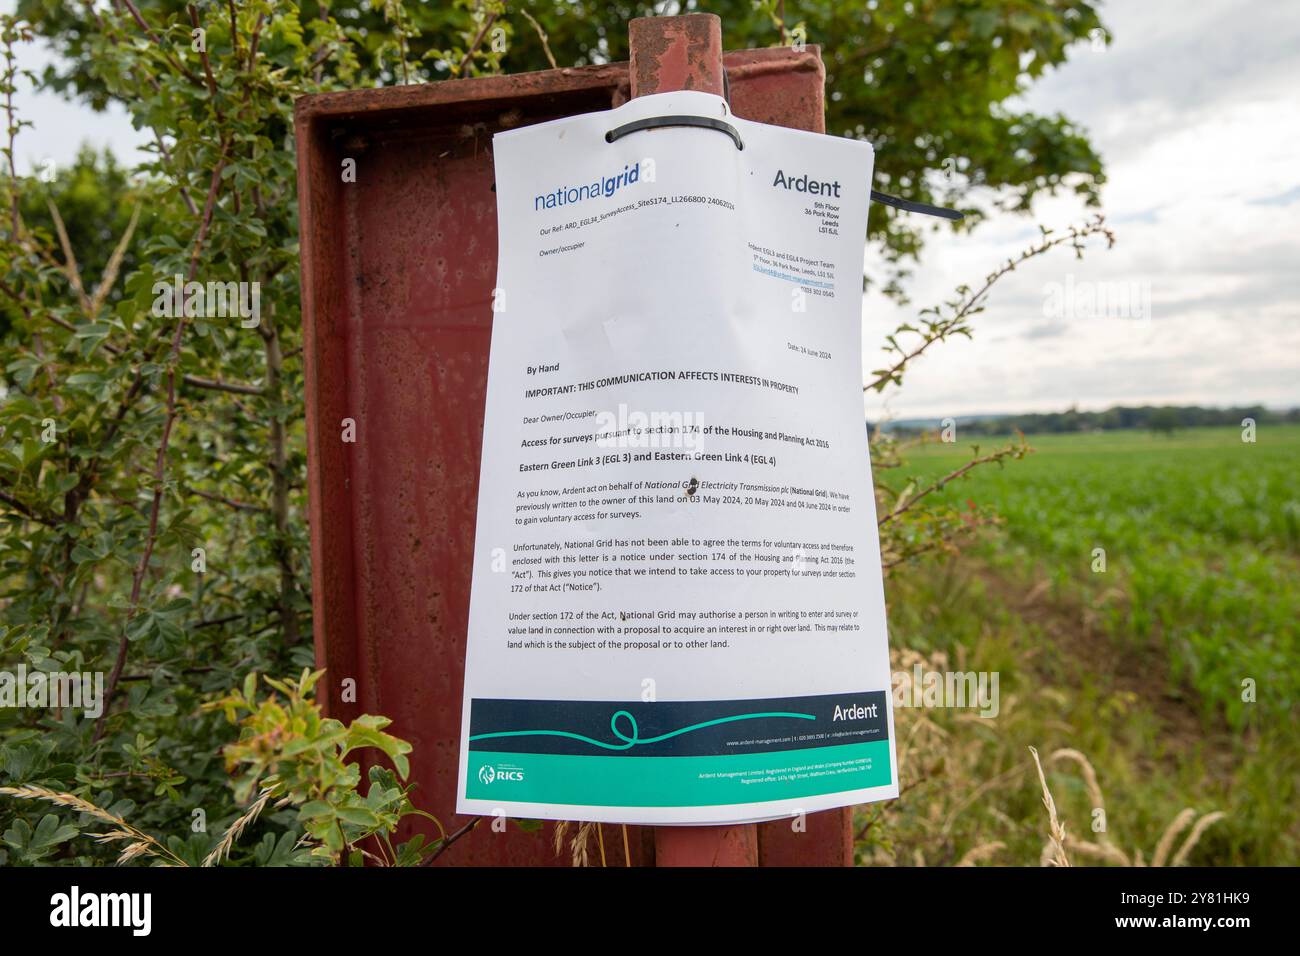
(707, 846)
(675, 53)
(668, 54)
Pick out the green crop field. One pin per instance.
(1201, 531)
(1176, 668)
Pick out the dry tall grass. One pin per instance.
(1102, 849)
(138, 843)
(959, 776)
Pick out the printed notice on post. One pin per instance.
(677, 614)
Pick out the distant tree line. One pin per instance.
(1158, 418)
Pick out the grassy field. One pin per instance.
(1137, 678)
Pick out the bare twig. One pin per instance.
(26, 511)
(541, 35)
(114, 265)
(971, 302)
(185, 193)
(70, 267)
(446, 844)
(474, 44)
(229, 502)
(175, 64)
(280, 486)
(905, 504)
(254, 39)
(238, 388)
(160, 461)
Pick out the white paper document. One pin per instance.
(677, 614)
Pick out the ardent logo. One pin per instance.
(806, 184)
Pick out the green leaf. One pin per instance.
(50, 833)
(359, 816)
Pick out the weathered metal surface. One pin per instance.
(784, 90)
(675, 53)
(706, 846)
(819, 839)
(397, 274)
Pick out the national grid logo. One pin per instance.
(488, 773)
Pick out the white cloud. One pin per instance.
(60, 127)
(1192, 109)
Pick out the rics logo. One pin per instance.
(489, 773)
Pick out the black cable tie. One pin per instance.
(908, 205)
(656, 122)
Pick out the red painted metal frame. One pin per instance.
(397, 273)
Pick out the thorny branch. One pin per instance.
(160, 461)
(935, 326)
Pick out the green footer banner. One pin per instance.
(776, 752)
(678, 781)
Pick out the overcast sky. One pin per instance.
(1194, 109)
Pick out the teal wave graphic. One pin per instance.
(636, 739)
